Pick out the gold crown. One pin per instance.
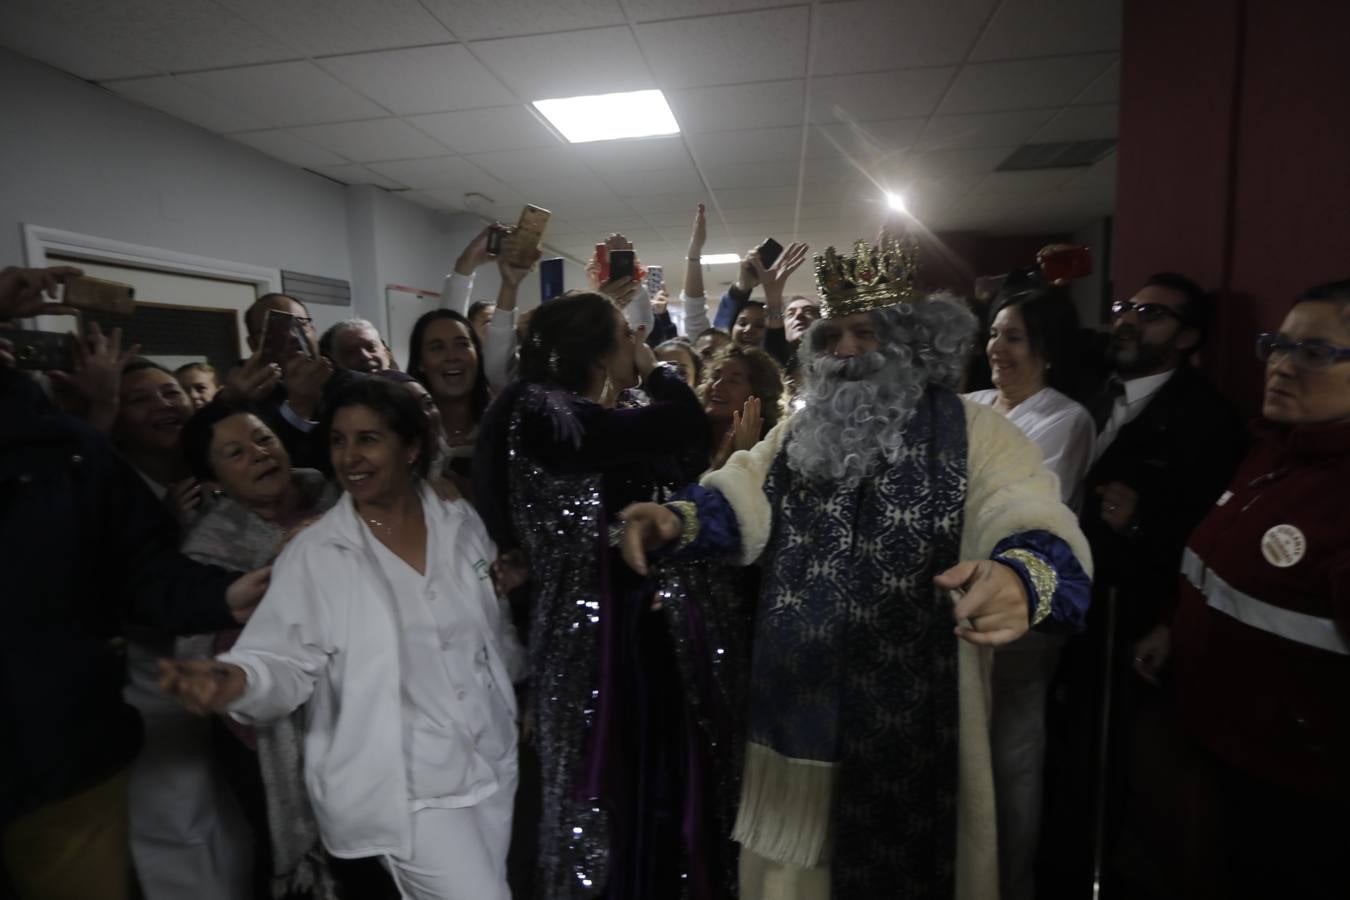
(872, 278)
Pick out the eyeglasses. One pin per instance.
(1147, 312)
(1305, 354)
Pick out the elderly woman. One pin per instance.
(1031, 353)
(382, 620)
(259, 499)
(1261, 635)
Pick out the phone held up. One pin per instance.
(769, 251)
(1065, 263)
(550, 279)
(656, 280)
(99, 295)
(282, 338)
(40, 351)
(622, 264)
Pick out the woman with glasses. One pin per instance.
(1260, 639)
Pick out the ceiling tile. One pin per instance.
(288, 148)
(1081, 123)
(1101, 172)
(647, 184)
(1027, 28)
(647, 10)
(473, 20)
(1034, 182)
(943, 163)
(318, 27)
(676, 222)
(582, 197)
(638, 155)
(743, 198)
(442, 172)
(866, 142)
(373, 140)
(752, 46)
(752, 175)
(293, 93)
(421, 79)
(568, 64)
(1022, 84)
(171, 96)
(879, 95)
(738, 106)
(429, 199)
(751, 145)
(64, 46)
(481, 130)
(1002, 129)
(353, 174)
(684, 203)
(534, 164)
(872, 35)
(1106, 89)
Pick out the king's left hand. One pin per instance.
(991, 598)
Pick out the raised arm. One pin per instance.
(458, 285)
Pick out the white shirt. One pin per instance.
(456, 724)
(1064, 431)
(1138, 392)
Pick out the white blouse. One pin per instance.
(1064, 431)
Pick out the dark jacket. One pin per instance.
(1178, 454)
(1262, 636)
(84, 547)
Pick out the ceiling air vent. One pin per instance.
(1061, 155)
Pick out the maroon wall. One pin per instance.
(1235, 159)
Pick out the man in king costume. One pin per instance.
(902, 532)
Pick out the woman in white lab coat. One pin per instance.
(383, 621)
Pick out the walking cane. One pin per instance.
(1103, 737)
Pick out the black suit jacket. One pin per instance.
(1179, 455)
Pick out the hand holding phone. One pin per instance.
(100, 295)
(283, 338)
(1064, 262)
(622, 264)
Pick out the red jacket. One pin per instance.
(1261, 636)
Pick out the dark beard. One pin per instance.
(1144, 358)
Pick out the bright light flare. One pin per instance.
(896, 202)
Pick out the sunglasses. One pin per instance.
(1147, 312)
(1305, 354)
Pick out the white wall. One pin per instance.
(76, 157)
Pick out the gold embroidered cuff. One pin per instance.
(1043, 578)
(688, 513)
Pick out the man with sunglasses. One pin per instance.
(1167, 445)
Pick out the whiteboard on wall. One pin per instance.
(403, 307)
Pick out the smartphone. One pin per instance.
(494, 240)
(656, 280)
(769, 251)
(1066, 263)
(550, 279)
(529, 231)
(602, 261)
(622, 264)
(100, 295)
(42, 350)
(282, 338)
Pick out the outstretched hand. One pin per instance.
(202, 686)
(991, 598)
(774, 279)
(647, 527)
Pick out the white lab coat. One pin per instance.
(327, 635)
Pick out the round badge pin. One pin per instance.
(1283, 546)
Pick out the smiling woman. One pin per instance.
(446, 358)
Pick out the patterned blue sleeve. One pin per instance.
(1058, 589)
(710, 526)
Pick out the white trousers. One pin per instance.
(460, 854)
(189, 837)
(1022, 673)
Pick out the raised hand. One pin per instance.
(183, 498)
(202, 686)
(252, 381)
(97, 375)
(660, 302)
(22, 290)
(475, 253)
(774, 279)
(620, 290)
(991, 597)
(698, 235)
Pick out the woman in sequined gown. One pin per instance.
(637, 682)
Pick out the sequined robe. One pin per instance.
(637, 709)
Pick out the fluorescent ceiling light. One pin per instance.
(714, 259)
(610, 117)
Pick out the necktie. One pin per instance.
(1106, 402)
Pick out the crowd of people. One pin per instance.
(645, 597)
